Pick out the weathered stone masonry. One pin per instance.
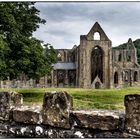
(94, 63)
(57, 119)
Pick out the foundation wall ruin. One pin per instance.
(56, 118)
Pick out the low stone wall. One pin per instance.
(57, 119)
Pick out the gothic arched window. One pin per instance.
(96, 36)
(135, 76)
(59, 57)
(97, 63)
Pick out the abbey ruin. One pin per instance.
(93, 64)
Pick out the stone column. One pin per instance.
(8, 100)
(1, 84)
(131, 78)
(52, 79)
(56, 109)
(55, 78)
(132, 117)
(46, 81)
(8, 83)
(66, 79)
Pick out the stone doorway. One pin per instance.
(97, 85)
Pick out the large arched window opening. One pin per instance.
(135, 76)
(97, 63)
(96, 36)
(126, 76)
(116, 78)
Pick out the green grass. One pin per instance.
(83, 98)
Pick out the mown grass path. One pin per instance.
(83, 98)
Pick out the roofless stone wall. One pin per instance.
(57, 119)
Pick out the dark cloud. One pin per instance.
(66, 21)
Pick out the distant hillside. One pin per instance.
(137, 45)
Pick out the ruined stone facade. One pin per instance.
(93, 64)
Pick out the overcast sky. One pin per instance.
(66, 21)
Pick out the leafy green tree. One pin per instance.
(51, 56)
(3, 55)
(26, 56)
(40, 59)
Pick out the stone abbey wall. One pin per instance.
(94, 63)
(56, 118)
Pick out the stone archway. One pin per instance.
(97, 85)
(97, 63)
(135, 76)
(61, 78)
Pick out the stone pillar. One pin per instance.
(8, 83)
(120, 79)
(66, 79)
(132, 109)
(1, 84)
(52, 78)
(7, 101)
(55, 78)
(56, 109)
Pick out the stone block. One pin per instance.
(8, 99)
(16, 98)
(56, 109)
(132, 109)
(26, 114)
(96, 119)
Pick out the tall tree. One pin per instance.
(18, 20)
(3, 58)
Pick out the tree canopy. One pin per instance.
(20, 52)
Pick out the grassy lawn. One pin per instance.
(83, 98)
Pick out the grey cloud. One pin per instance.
(59, 32)
(66, 21)
(104, 11)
